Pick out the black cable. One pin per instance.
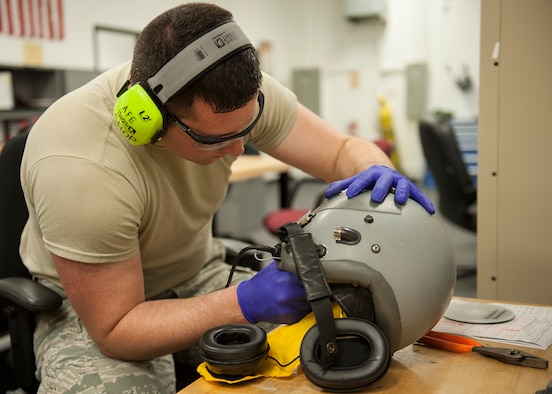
(283, 365)
(273, 250)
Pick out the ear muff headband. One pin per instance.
(140, 110)
(196, 58)
(363, 357)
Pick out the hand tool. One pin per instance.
(460, 344)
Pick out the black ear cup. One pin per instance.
(363, 356)
(234, 350)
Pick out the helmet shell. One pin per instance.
(400, 253)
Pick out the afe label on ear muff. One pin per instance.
(137, 116)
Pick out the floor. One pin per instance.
(464, 243)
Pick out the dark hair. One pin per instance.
(227, 86)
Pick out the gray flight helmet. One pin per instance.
(390, 264)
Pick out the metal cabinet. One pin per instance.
(514, 234)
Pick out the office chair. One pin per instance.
(457, 192)
(290, 212)
(21, 298)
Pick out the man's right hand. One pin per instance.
(273, 296)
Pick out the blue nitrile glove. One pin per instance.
(273, 296)
(380, 179)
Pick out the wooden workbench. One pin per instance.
(415, 369)
(253, 166)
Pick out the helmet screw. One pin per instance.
(376, 248)
(330, 347)
(368, 219)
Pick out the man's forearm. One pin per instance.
(156, 328)
(356, 155)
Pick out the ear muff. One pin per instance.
(140, 110)
(363, 356)
(139, 115)
(234, 350)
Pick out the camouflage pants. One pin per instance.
(68, 361)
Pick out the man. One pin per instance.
(123, 232)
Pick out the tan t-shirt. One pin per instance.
(95, 198)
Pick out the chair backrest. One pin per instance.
(13, 210)
(457, 192)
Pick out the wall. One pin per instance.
(314, 33)
(444, 34)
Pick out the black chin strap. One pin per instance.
(309, 269)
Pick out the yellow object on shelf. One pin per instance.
(386, 126)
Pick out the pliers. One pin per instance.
(459, 344)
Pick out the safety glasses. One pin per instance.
(211, 142)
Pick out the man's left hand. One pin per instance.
(381, 179)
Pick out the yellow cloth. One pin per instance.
(285, 343)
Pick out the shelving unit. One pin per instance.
(34, 90)
(466, 135)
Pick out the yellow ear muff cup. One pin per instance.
(138, 116)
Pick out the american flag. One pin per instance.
(42, 19)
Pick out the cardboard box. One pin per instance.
(6, 91)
